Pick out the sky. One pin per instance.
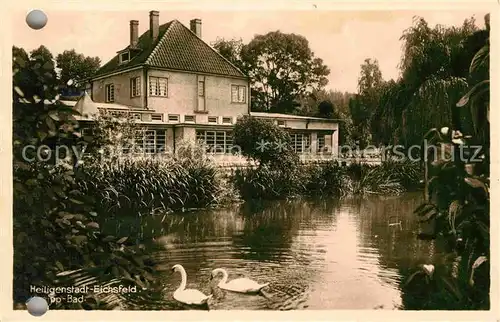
(343, 39)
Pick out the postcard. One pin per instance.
(237, 160)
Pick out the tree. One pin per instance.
(76, 67)
(363, 105)
(326, 109)
(43, 53)
(282, 68)
(264, 142)
(231, 50)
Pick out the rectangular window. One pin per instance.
(189, 119)
(135, 87)
(157, 117)
(301, 143)
(212, 119)
(124, 57)
(173, 117)
(320, 143)
(238, 94)
(227, 120)
(281, 123)
(201, 88)
(136, 116)
(110, 93)
(149, 142)
(158, 86)
(215, 141)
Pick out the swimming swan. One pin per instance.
(189, 296)
(241, 285)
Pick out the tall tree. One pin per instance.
(282, 68)
(363, 105)
(42, 53)
(76, 67)
(231, 50)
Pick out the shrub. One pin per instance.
(264, 142)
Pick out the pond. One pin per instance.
(321, 254)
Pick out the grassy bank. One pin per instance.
(327, 179)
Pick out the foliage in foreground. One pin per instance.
(457, 206)
(57, 236)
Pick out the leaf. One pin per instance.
(429, 214)
(52, 126)
(93, 213)
(122, 240)
(93, 225)
(79, 239)
(59, 265)
(78, 202)
(53, 115)
(476, 183)
(108, 238)
(472, 92)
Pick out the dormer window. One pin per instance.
(124, 57)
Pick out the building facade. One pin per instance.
(182, 89)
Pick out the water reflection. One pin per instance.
(316, 254)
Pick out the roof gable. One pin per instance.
(177, 48)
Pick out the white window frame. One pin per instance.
(201, 87)
(301, 145)
(212, 122)
(122, 61)
(109, 93)
(135, 86)
(155, 86)
(238, 94)
(201, 135)
(227, 120)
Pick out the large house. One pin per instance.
(180, 88)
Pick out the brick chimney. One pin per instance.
(195, 25)
(154, 24)
(134, 33)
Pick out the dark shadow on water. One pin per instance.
(320, 253)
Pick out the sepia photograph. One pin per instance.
(319, 159)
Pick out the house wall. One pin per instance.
(182, 96)
(122, 89)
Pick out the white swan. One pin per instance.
(189, 296)
(241, 285)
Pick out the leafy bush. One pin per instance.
(264, 142)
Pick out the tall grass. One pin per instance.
(327, 179)
(140, 185)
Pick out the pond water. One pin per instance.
(315, 254)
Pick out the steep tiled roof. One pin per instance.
(177, 48)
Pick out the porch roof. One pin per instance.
(291, 117)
